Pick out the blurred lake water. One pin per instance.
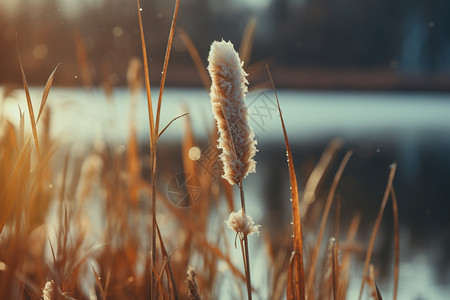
(412, 129)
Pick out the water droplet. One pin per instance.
(76, 76)
(140, 9)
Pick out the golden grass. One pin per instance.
(296, 282)
(129, 249)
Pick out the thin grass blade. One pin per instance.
(167, 126)
(245, 49)
(47, 87)
(147, 77)
(193, 52)
(323, 221)
(290, 288)
(376, 226)
(298, 237)
(168, 264)
(396, 242)
(30, 105)
(166, 63)
(99, 284)
(378, 292)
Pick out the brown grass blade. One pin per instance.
(346, 259)
(166, 63)
(167, 126)
(47, 87)
(99, 284)
(290, 288)
(82, 61)
(309, 196)
(323, 222)
(378, 292)
(30, 105)
(298, 237)
(376, 226)
(189, 165)
(15, 182)
(153, 135)
(245, 49)
(168, 264)
(147, 77)
(396, 241)
(201, 69)
(372, 281)
(21, 143)
(218, 253)
(335, 268)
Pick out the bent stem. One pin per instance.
(244, 247)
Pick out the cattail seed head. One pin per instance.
(242, 224)
(48, 293)
(228, 89)
(192, 286)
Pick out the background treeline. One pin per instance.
(320, 43)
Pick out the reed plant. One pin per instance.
(96, 225)
(236, 138)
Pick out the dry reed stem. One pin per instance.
(19, 173)
(154, 126)
(309, 195)
(376, 226)
(244, 243)
(46, 92)
(152, 154)
(147, 76)
(245, 49)
(29, 103)
(396, 241)
(201, 69)
(166, 63)
(82, 61)
(372, 281)
(291, 291)
(315, 253)
(298, 235)
(168, 265)
(188, 143)
(335, 268)
(346, 259)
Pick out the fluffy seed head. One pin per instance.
(228, 89)
(242, 224)
(48, 293)
(192, 286)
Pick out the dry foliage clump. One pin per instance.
(88, 226)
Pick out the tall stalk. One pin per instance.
(244, 247)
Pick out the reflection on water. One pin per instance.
(411, 129)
